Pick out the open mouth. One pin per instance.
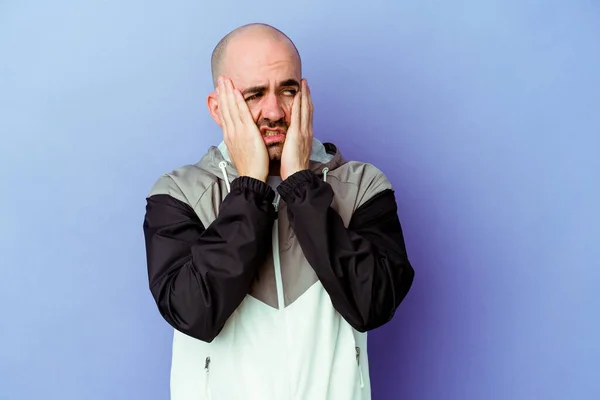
(273, 136)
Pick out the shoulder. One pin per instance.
(187, 184)
(362, 173)
(368, 179)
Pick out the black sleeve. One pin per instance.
(197, 276)
(364, 267)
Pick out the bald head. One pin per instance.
(264, 67)
(244, 37)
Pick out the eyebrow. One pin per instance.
(262, 88)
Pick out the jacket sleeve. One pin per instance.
(364, 267)
(198, 276)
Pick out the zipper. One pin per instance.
(276, 260)
(278, 277)
(362, 383)
(207, 373)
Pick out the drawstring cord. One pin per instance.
(325, 171)
(222, 165)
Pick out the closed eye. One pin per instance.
(253, 97)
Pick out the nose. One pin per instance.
(272, 108)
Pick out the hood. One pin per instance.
(324, 156)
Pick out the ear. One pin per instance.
(213, 107)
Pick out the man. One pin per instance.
(272, 256)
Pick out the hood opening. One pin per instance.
(324, 158)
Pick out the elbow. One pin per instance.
(205, 334)
(194, 323)
(404, 283)
(190, 316)
(385, 301)
(368, 325)
(378, 313)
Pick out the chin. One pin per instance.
(275, 151)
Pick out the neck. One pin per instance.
(274, 168)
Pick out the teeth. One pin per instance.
(271, 133)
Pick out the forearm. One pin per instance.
(198, 276)
(364, 267)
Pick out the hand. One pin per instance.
(298, 140)
(244, 142)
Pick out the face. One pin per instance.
(268, 73)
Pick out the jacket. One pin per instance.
(271, 292)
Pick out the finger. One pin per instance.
(295, 120)
(224, 108)
(311, 108)
(231, 106)
(244, 111)
(305, 109)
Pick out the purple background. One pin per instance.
(484, 114)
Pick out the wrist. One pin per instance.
(301, 180)
(255, 185)
(291, 171)
(259, 177)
